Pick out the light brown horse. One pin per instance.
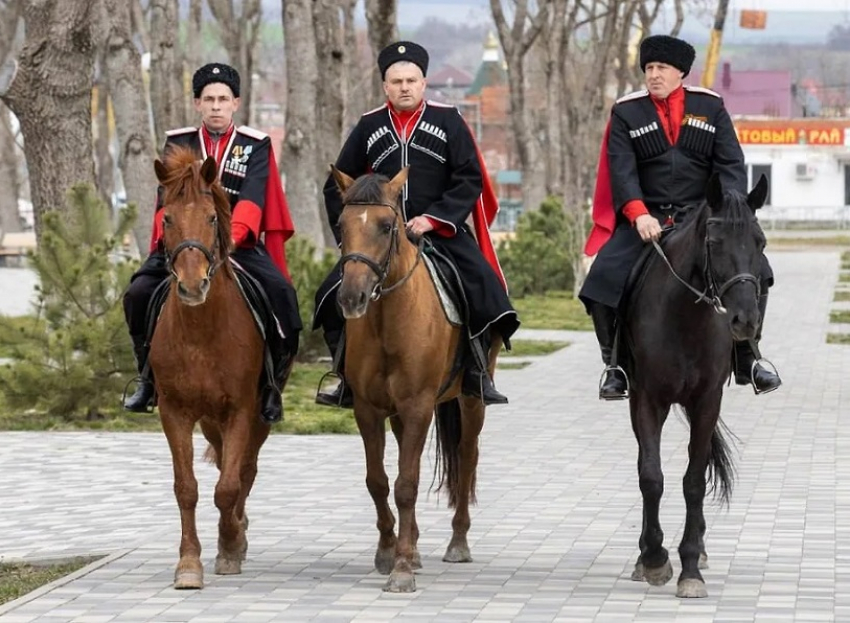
(206, 356)
(400, 350)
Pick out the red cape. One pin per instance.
(276, 221)
(604, 214)
(483, 216)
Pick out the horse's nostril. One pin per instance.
(363, 298)
(181, 289)
(205, 284)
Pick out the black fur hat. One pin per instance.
(215, 72)
(403, 51)
(666, 49)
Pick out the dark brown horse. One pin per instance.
(206, 356)
(399, 357)
(681, 325)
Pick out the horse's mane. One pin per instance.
(183, 185)
(368, 189)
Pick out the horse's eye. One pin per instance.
(386, 228)
(167, 220)
(213, 220)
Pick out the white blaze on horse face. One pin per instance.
(363, 217)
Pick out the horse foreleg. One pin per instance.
(373, 432)
(647, 422)
(260, 432)
(416, 423)
(703, 417)
(472, 421)
(178, 427)
(229, 494)
(416, 559)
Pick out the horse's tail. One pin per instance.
(448, 423)
(210, 456)
(721, 464)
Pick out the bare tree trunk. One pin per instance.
(51, 96)
(166, 74)
(139, 24)
(382, 21)
(132, 115)
(298, 158)
(10, 220)
(330, 55)
(239, 35)
(357, 80)
(104, 163)
(194, 27)
(516, 41)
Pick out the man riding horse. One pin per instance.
(260, 225)
(660, 148)
(447, 183)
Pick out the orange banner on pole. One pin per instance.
(753, 20)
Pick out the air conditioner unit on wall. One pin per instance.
(805, 171)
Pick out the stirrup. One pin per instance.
(761, 362)
(605, 372)
(331, 374)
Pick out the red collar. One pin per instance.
(405, 120)
(217, 144)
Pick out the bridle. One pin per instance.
(382, 268)
(712, 294)
(212, 265)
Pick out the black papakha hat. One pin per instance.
(215, 72)
(403, 51)
(669, 50)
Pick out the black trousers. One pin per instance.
(255, 261)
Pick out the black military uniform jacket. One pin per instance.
(445, 183)
(445, 175)
(644, 165)
(244, 170)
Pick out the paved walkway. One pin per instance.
(554, 536)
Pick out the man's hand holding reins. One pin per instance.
(419, 225)
(647, 227)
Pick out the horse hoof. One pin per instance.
(659, 576)
(189, 579)
(458, 554)
(401, 582)
(691, 588)
(703, 561)
(638, 573)
(227, 566)
(416, 560)
(385, 560)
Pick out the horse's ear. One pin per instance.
(398, 182)
(343, 181)
(209, 170)
(714, 192)
(758, 195)
(160, 170)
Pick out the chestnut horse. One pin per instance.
(399, 359)
(683, 317)
(206, 356)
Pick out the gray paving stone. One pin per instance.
(554, 536)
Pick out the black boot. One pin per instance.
(341, 395)
(271, 398)
(614, 384)
(476, 379)
(142, 400)
(748, 367)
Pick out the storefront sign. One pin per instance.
(789, 133)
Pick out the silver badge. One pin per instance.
(402, 49)
(216, 70)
